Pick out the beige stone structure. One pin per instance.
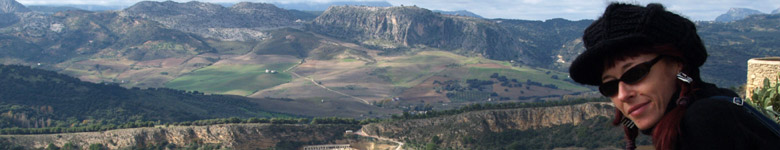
(758, 69)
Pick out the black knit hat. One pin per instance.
(626, 27)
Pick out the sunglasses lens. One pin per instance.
(609, 89)
(634, 74)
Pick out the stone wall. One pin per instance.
(758, 69)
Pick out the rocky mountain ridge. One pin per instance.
(412, 26)
(735, 14)
(240, 22)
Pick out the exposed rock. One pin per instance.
(417, 27)
(735, 14)
(235, 136)
(474, 124)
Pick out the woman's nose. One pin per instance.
(625, 92)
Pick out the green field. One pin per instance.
(232, 79)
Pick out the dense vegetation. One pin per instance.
(489, 106)
(34, 98)
(731, 45)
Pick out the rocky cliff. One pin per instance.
(478, 124)
(242, 21)
(412, 26)
(235, 136)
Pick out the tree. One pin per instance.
(431, 146)
(52, 147)
(97, 146)
(70, 146)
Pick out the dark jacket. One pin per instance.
(711, 123)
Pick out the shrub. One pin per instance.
(767, 98)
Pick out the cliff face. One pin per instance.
(476, 124)
(414, 27)
(242, 21)
(236, 136)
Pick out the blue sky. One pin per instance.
(700, 10)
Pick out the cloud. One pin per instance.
(513, 9)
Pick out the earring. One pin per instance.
(684, 77)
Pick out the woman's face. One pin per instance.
(643, 101)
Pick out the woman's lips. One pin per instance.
(638, 109)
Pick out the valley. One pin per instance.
(171, 75)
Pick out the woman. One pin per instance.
(646, 60)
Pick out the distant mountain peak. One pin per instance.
(776, 11)
(735, 14)
(11, 6)
(322, 6)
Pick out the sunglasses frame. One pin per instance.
(633, 75)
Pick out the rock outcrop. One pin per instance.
(476, 124)
(235, 136)
(417, 27)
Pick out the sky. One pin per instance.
(699, 10)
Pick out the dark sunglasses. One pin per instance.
(631, 76)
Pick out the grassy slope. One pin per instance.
(427, 60)
(232, 79)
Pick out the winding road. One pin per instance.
(400, 144)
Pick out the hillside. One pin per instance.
(554, 42)
(730, 45)
(71, 34)
(39, 98)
